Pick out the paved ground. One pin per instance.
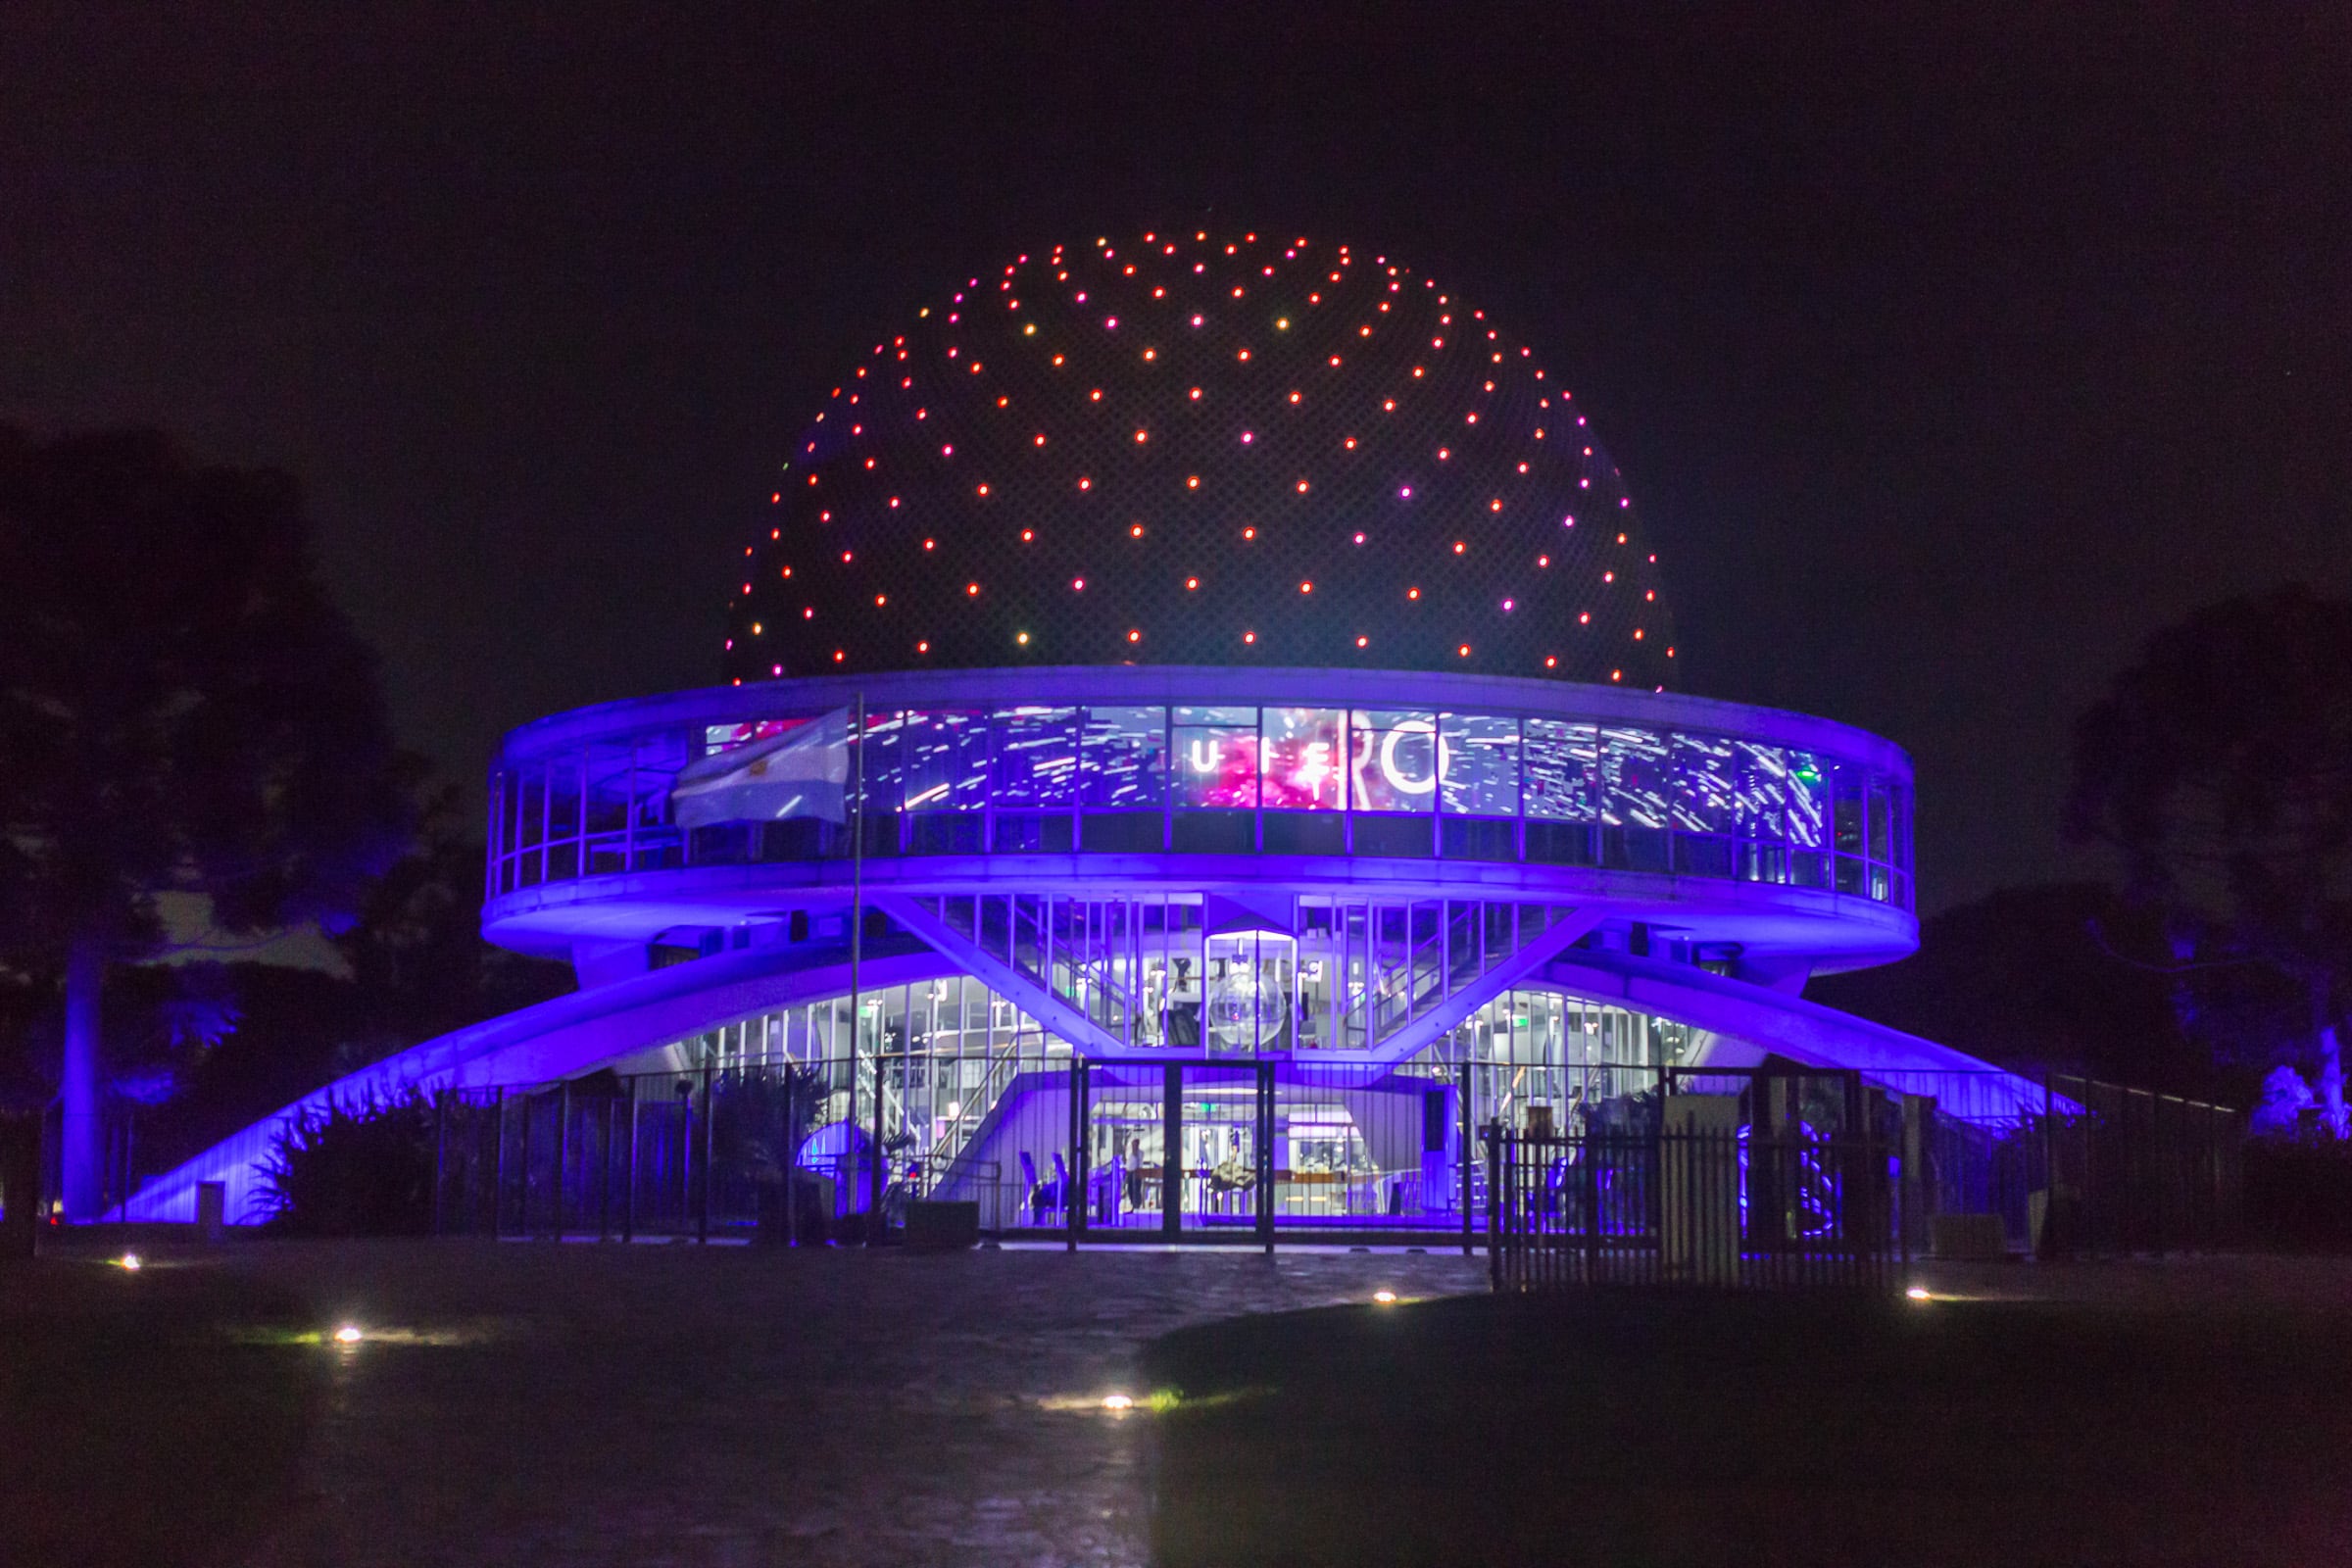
(522, 1404)
(525, 1403)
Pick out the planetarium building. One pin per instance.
(1199, 746)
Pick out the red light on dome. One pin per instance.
(1543, 560)
(778, 496)
(1463, 652)
(1459, 547)
(1308, 588)
(1141, 436)
(1195, 394)
(1363, 642)
(1552, 662)
(787, 571)
(1637, 634)
(1244, 354)
(1084, 483)
(1404, 492)
(1135, 531)
(1359, 538)
(1616, 674)
(1302, 487)
(838, 656)
(1134, 636)
(1412, 593)
(1387, 405)
(972, 589)
(1190, 584)
(1249, 636)
(880, 600)
(1248, 534)
(1509, 604)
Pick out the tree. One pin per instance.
(2220, 767)
(2062, 976)
(182, 711)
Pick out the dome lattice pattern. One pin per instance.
(1206, 450)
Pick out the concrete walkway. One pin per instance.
(525, 1404)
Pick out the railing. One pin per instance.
(1317, 780)
(1717, 1206)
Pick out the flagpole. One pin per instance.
(873, 1160)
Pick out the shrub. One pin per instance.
(363, 1168)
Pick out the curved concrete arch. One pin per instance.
(538, 1044)
(1789, 1026)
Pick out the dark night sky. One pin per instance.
(1948, 358)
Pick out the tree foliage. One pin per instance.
(2220, 770)
(181, 711)
(364, 1168)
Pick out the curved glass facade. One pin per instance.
(1213, 779)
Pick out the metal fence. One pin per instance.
(1730, 1187)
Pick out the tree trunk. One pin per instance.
(2331, 1084)
(82, 1157)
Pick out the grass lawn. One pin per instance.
(153, 1419)
(1635, 1428)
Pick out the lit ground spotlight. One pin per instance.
(1116, 1402)
(1385, 1297)
(130, 1261)
(348, 1334)
(1917, 1292)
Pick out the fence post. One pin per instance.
(440, 1151)
(701, 1198)
(1171, 1151)
(1494, 1236)
(563, 1151)
(629, 1201)
(1591, 1166)
(2046, 1244)
(498, 1163)
(1265, 1156)
(1469, 1147)
(792, 1154)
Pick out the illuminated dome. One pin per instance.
(1202, 449)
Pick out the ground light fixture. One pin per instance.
(349, 1334)
(1118, 1402)
(130, 1261)
(1385, 1297)
(1917, 1292)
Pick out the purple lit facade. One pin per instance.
(1407, 840)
